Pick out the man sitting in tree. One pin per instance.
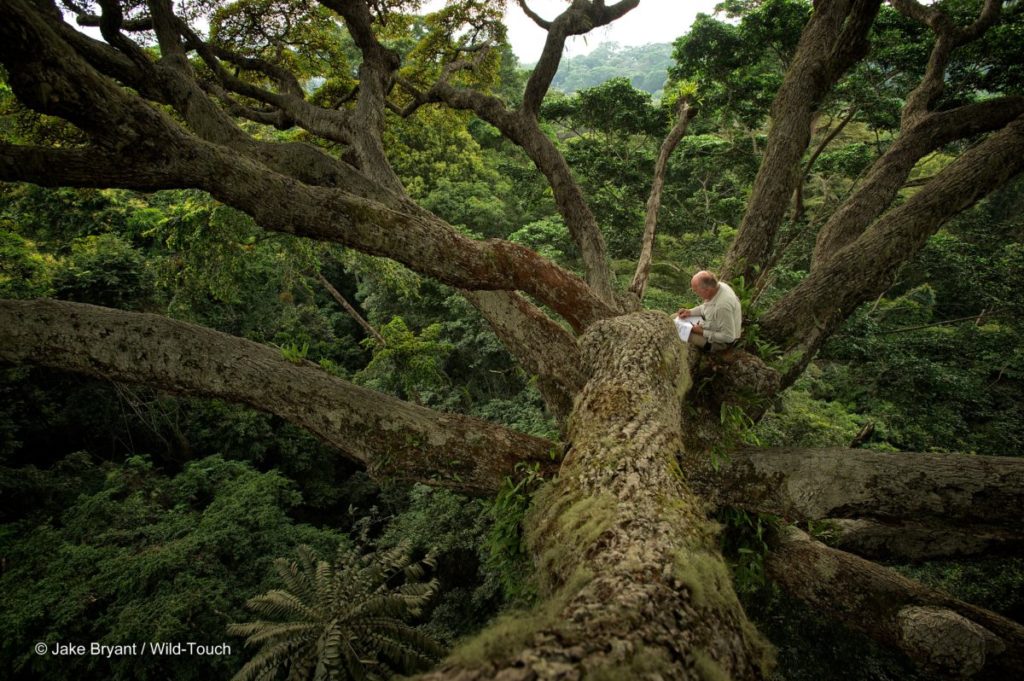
(721, 321)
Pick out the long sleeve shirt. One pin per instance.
(723, 319)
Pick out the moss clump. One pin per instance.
(562, 529)
(707, 578)
(707, 668)
(512, 631)
(643, 663)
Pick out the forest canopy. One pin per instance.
(331, 333)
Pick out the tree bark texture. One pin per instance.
(944, 636)
(949, 490)
(392, 438)
(632, 580)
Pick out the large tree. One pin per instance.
(632, 580)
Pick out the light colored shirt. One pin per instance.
(723, 320)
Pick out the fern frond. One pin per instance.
(295, 580)
(279, 604)
(402, 657)
(270, 658)
(261, 632)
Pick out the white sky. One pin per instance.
(652, 21)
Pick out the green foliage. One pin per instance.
(994, 583)
(126, 554)
(737, 430)
(745, 545)
(408, 364)
(504, 543)
(103, 270)
(24, 272)
(455, 529)
(293, 353)
(799, 420)
(345, 619)
(850, 160)
(549, 237)
(613, 108)
(738, 67)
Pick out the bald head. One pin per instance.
(704, 284)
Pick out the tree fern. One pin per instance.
(341, 620)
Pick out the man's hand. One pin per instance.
(697, 329)
(683, 312)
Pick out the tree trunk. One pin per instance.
(630, 574)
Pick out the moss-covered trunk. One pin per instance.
(631, 578)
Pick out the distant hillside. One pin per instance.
(645, 66)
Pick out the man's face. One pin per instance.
(701, 291)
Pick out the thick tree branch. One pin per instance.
(534, 17)
(948, 36)
(376, 77)
(86, 167)
(130, 25)
(950, 490)
(579, 18)
(394, 439)
(864, 269)
(831, 42)
(916, 541)
(172, 82)
(942, 635)
(572, 206)
(522, 128)
(889, 172)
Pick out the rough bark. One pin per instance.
(944, 636)
(392, 438)
(921, 130)
(831, 42)
(890, 171)
(948, 490)
(631, 576)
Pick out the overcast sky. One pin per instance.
(652, 21)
